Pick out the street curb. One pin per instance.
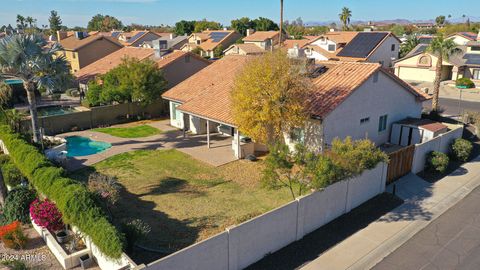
(386, 248)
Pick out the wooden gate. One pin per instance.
(400, 163)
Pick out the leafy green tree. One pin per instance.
(398, 30)
(218, 51)
(54, 21)
(132, 81)
(184, 27)
(345, 17)
(291, 169)
(265, 24)
(269, 97)
(104, 23)
(241, 25)
(405, 48)
(25, 58)
(204, 25)
(442, 48)
(440, 20)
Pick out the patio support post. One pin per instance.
(208, 134)
(239, 155)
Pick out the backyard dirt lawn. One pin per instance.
(184, 200)
(130, 132)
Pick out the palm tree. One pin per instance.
(281, 23)
(26, 58)
(345, 17)
(408, 46)
(30, 21)
(443, 49)
(20, 21)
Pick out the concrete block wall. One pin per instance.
(246, 243)
(441, 144)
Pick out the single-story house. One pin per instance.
(420, 65)
(177, 65)
(360, 100)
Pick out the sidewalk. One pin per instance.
(424, 202)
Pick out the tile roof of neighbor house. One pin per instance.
(468, 35)
(261, 36)
(114, 59)
(207, 93)
(211, 41)
(72, 43)
(290, 43)
(248, 48)
(340, 37)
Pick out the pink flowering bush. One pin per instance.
(46, 215)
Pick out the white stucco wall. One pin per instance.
(309, 53)
(384, 52)
(323, 43)
(459, 40)
(385, 97)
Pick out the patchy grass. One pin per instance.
(185, 200)
(130, 132)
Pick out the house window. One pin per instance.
(198, 42)
(393, 47)
(331, 47)
(74, 55)
(297, 135)
(475, 48)
(364, 120)
(382, 123)
(476, 74)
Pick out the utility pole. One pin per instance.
(281, 23)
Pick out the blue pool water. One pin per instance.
(13, 81)
(54, 110)
(78, 146)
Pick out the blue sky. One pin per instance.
(78, 12)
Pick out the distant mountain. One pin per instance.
(394, 21)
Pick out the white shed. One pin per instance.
(413, 131)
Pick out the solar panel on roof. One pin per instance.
(115, 34)
(469, 35)
(362, 44)
(421, 49)
(217, 36)
(472, 59)
(136, 36)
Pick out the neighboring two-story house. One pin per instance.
(137, 38)
(210, 40)
(167, 43)
(420, 65)
(372, 47)
(81, 49)
(254, 43)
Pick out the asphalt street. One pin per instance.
(450, 242)
(455, 107)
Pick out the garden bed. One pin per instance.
(184, 200)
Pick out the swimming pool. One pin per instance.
(78, 146)
(54, 110)
(13, 81)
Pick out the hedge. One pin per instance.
(72, 198)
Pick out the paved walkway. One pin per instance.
(449, 91)
(220, 151)
(424, 202)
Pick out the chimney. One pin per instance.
(478, 36)
(332, 29)
(172, 35)
(250, 32)
(61, 35)
(225, 29)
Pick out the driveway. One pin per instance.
(450, 242)
(220, 151)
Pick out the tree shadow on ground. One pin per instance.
(172, 185)
(167, 234)
(312, 245)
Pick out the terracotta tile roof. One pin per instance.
(114, 59)
(72, 43)
(209, 44)
(105, 64)
(340, 37)
(261, 36)
(323, 52)
(248, 48)
(207, 93)
(290, 43)
(468, 35)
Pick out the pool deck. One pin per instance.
(220, 151)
